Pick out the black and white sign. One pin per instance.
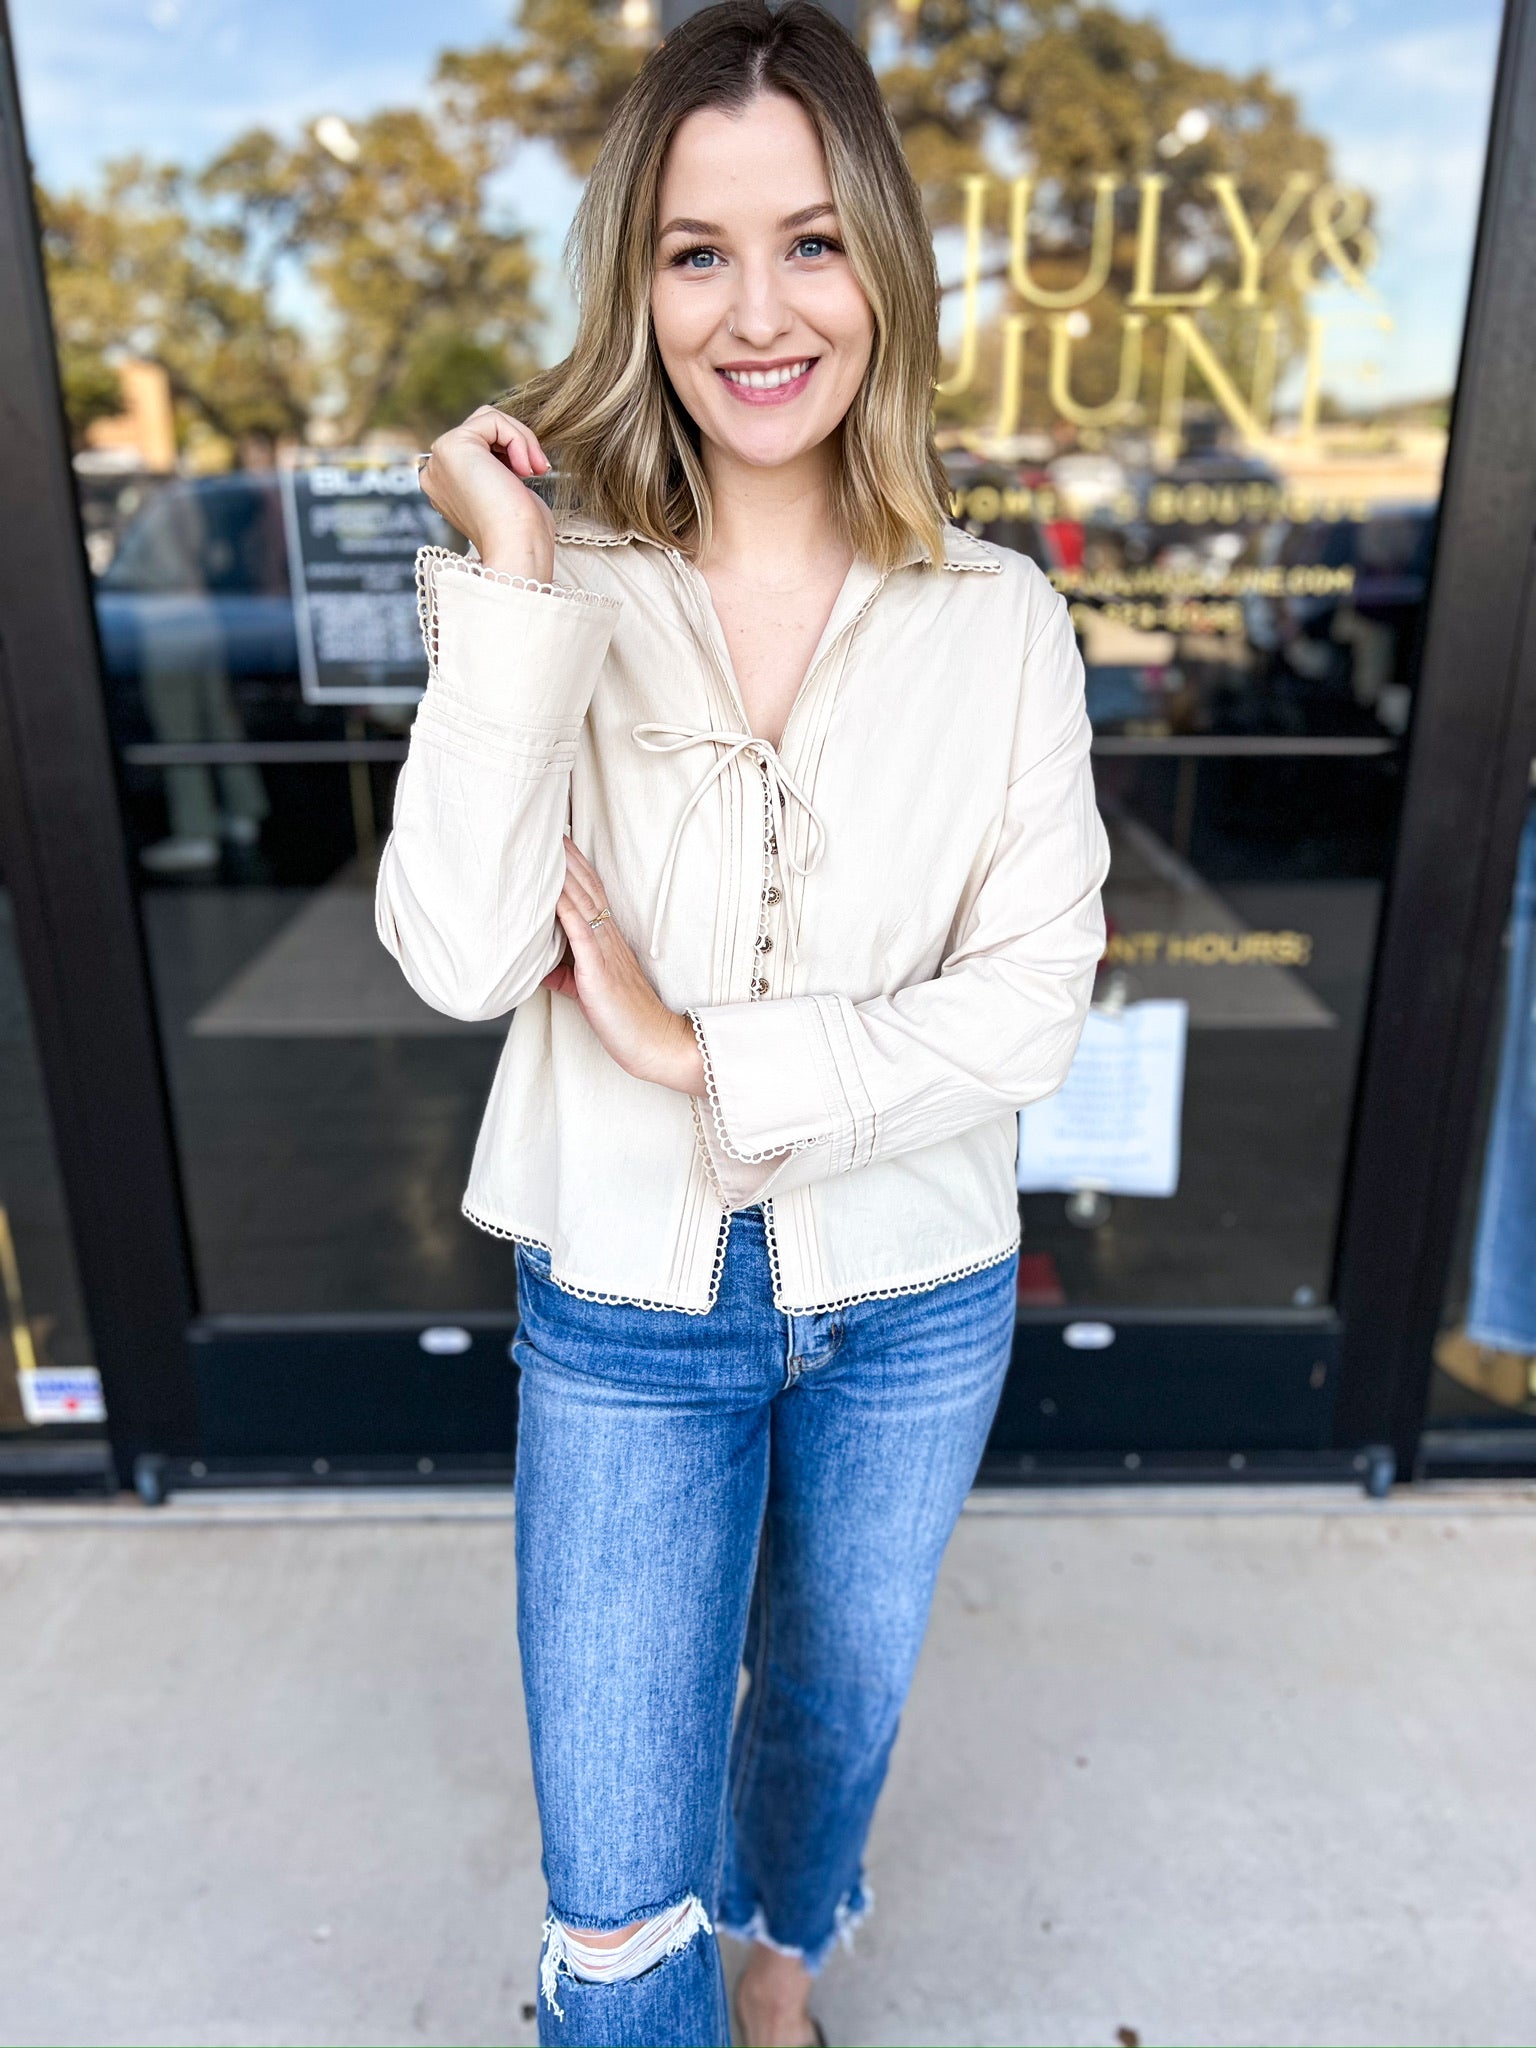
(354, 523)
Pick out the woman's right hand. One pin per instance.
(471, 478)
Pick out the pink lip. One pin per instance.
(779, 395)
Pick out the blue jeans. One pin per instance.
(695, 1492)
(1502, 1311)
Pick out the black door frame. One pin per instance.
(1352, 1379)
(1470, 747)
(61, 842)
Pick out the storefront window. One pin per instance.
(1211, 275)
(1205, 276)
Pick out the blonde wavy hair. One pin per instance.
(626, 450)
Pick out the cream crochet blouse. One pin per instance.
(884, 930)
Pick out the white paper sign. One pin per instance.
(62, 1393)
(1114, 1123)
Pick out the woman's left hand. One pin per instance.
(602, 974)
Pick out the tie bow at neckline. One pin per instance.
(660, 738)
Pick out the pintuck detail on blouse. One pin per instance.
(883, 930)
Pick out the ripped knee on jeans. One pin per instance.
(609, 1955)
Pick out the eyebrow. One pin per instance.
(681, 226)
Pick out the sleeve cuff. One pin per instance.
(508, 648)
(779, 1078)
(737, 1183)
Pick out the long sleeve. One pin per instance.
(801, 1088)
(473, 866)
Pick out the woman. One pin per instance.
(760, 794)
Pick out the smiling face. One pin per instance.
(748, 240)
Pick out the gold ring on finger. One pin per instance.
(601, 918)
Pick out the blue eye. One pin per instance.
(686, 256)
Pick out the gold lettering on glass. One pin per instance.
(1011, 403)
(1338, 215)
(1100, 256)
(975, 203)
(1256, 246)
(1144, 291)
(1124, 403)
(1336, 244)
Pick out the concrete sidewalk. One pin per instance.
(1231, 1767)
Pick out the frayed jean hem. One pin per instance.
(851, 1909)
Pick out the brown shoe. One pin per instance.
(1505, 1377)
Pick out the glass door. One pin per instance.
(267, 293)
(1207, 271)
(1205, 276)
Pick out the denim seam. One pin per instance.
(803, 1365)
(750, 1744)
